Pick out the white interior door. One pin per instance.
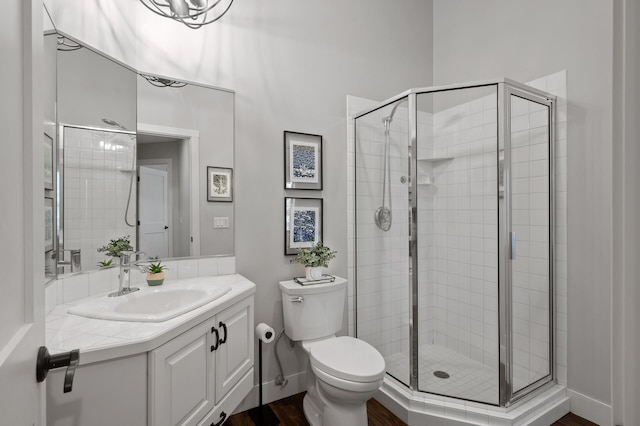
(22, 211)
(153, 212)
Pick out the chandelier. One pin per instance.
(192, 13)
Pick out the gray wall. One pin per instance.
(210, 112)
(91, 87)
(291, 65)
(525, 40)
(311, 56)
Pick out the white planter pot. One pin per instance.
(313, 272)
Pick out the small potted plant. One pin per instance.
(105, 263)
(314, 259)
(155, 274)
(116, 247)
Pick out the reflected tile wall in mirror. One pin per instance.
(98, 168)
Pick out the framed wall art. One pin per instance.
(48, 162)
(219, 184)
(48, 224)
(303, 161)
(302, 223)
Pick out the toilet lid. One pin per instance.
(348, 358)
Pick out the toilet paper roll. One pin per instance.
(265, 333)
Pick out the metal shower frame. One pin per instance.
(505, 88)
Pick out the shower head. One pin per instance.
(114, 124)
(389, 118)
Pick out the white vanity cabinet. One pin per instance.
(199, 377)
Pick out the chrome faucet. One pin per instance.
(125, 270)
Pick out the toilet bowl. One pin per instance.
(342, 372)
(347, 372)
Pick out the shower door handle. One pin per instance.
(513, 245)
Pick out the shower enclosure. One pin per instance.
(454, 236)
(96, 165)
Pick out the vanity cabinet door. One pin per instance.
(181, 392)
(234, 356)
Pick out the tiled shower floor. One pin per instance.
(468, 379)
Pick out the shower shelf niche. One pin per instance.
(427, 166)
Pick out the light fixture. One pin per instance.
(163, 82)
(66, 44)
(192, 13)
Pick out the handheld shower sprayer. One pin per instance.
(133, 166)
(382, 216)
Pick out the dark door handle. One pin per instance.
(46, 362)
(166, 227)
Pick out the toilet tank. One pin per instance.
(313, 311)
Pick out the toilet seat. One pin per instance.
(348, 359)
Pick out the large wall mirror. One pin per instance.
(130, 152)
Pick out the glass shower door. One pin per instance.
(382, 235)
(531, 240)
(457, 217)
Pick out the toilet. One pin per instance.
(342, 372)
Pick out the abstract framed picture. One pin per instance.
(48, 224)
(303, 161)
(219, 184)
(302, 223)
(48, 162)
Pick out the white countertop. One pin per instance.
(101, 340)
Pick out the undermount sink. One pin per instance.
(152, 304)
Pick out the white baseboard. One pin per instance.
(271, 392)
(589, 408)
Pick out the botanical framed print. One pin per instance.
(303, 223)
(219, 184)
(48, 224)
(303, 161)
(48, 162)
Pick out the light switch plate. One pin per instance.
(220, 222)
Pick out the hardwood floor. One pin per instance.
(289, 411)
(573, 420)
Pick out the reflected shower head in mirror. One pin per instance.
(114, 124)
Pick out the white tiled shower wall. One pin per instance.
(434, 324)
(98, 167)
(383, 265)
(77, 286)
